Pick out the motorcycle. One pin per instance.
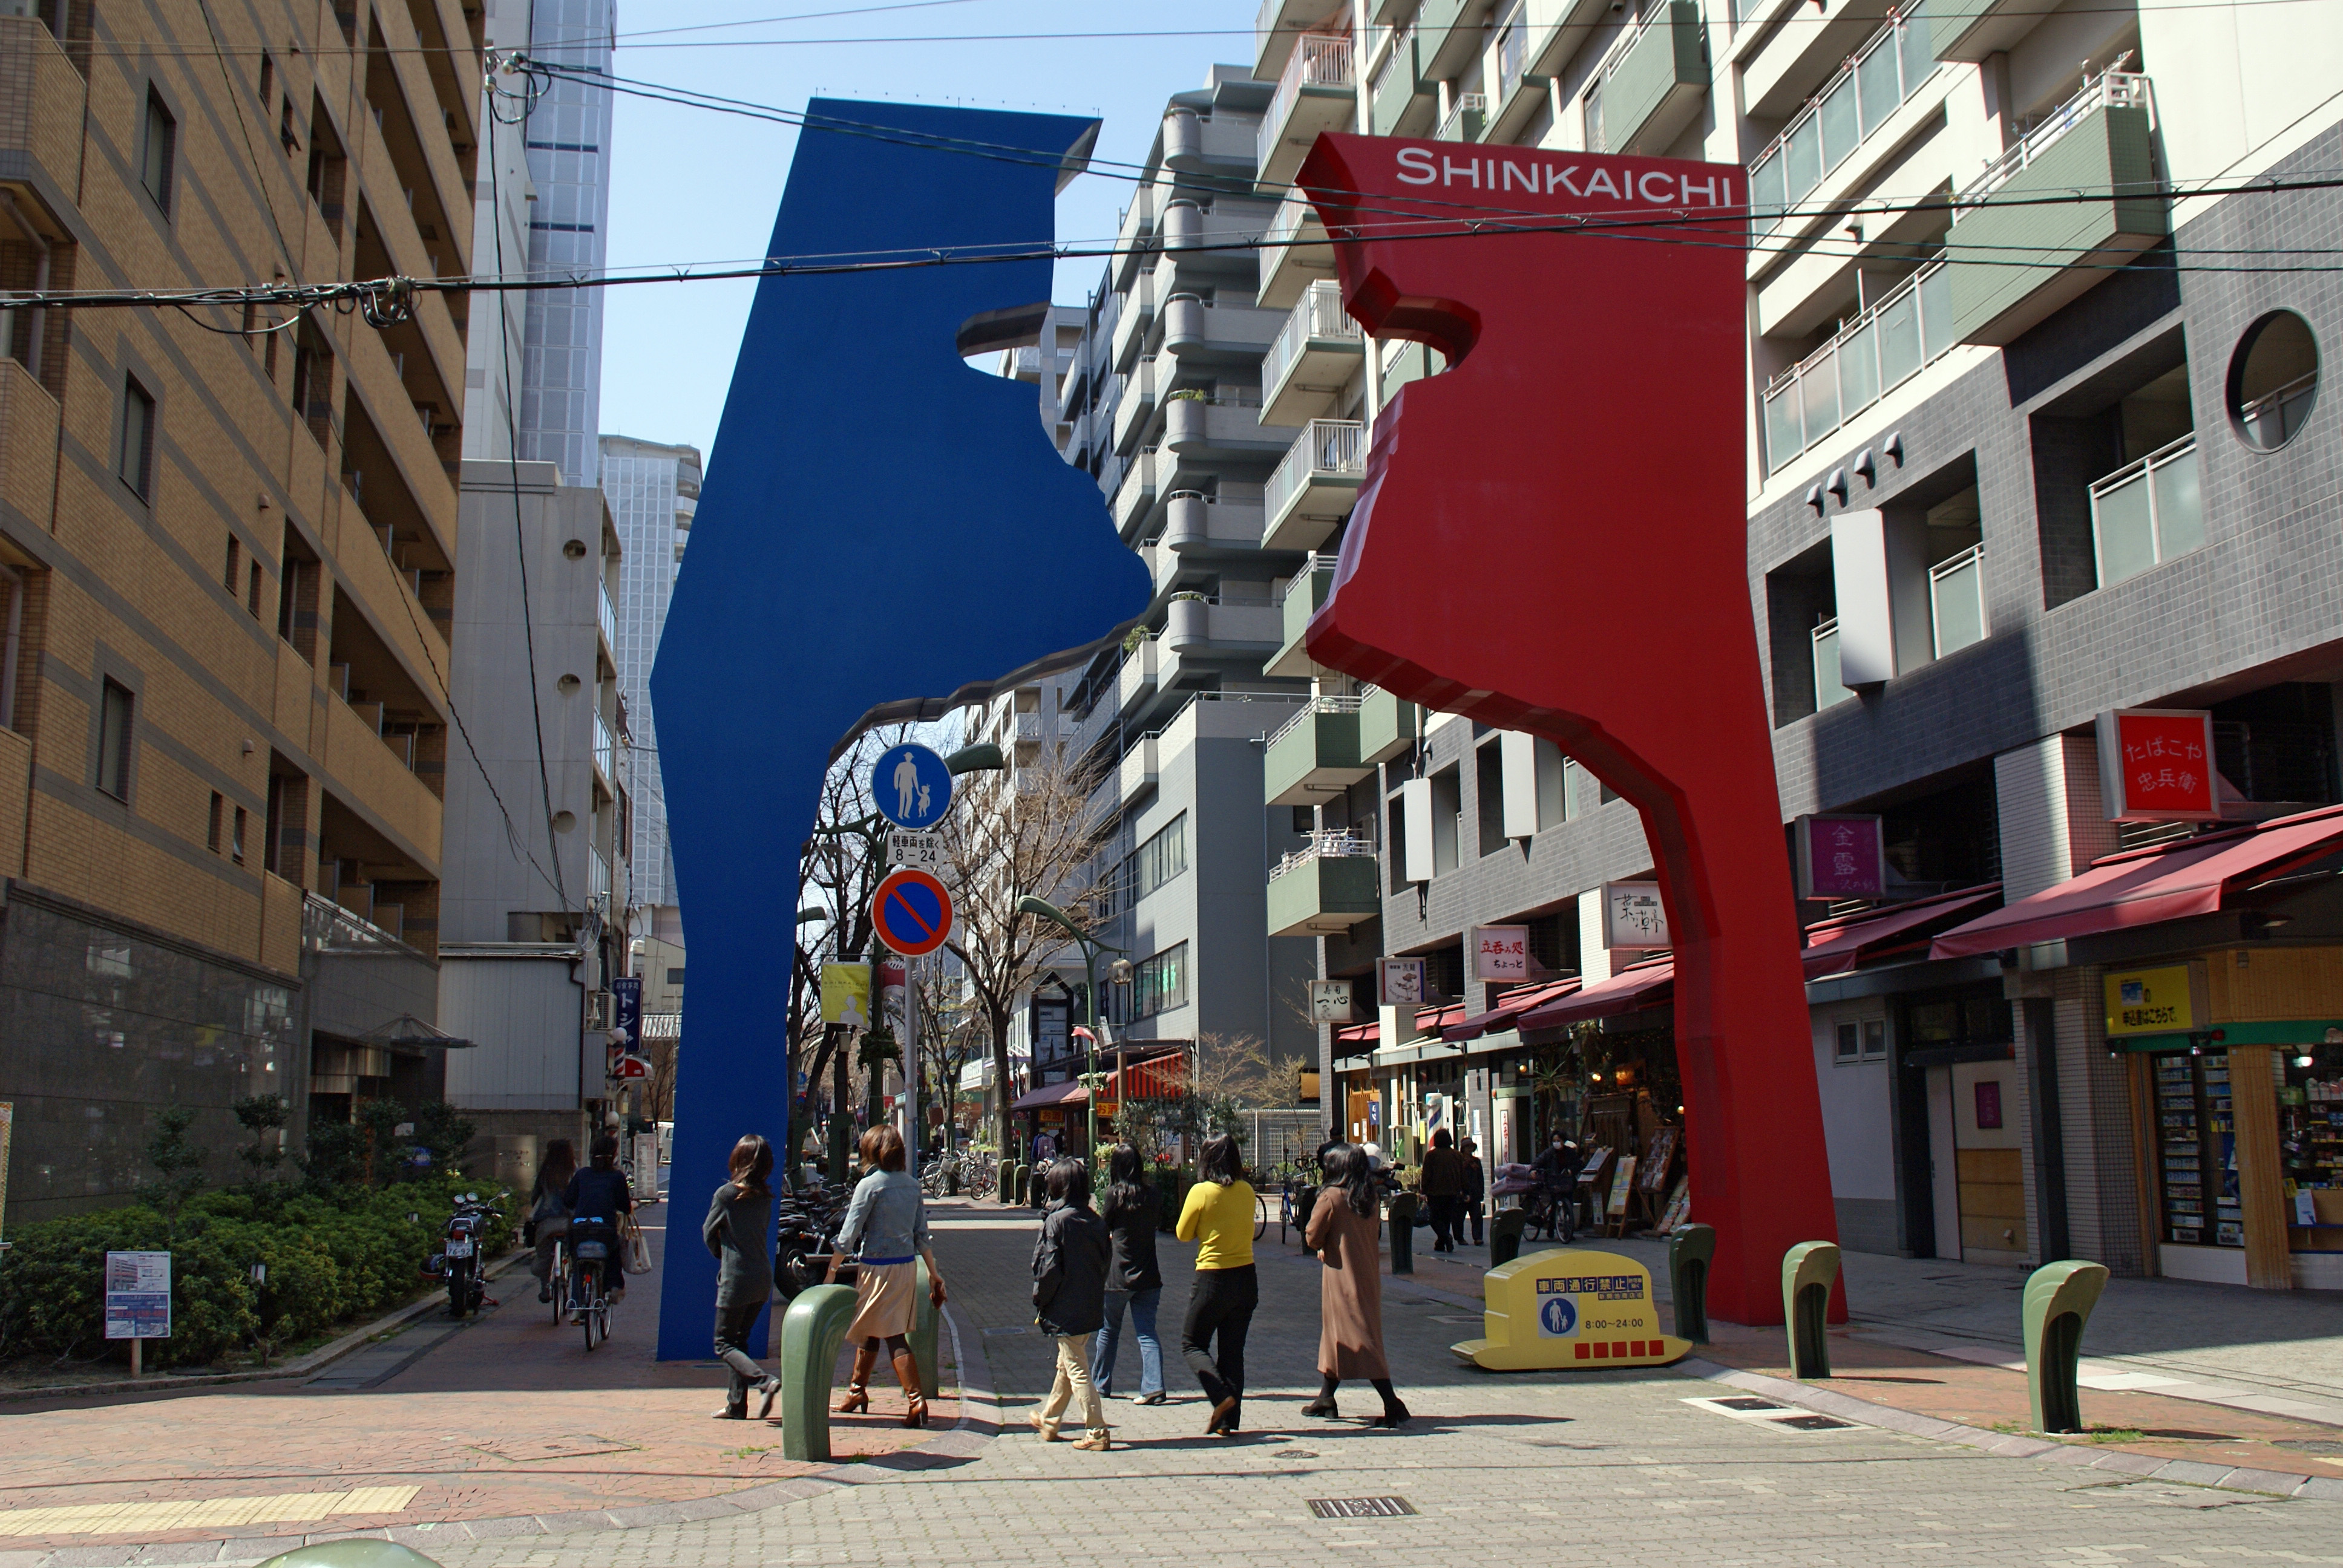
(806, 1221)
(458, 1260)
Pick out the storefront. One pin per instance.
(1607, 1052)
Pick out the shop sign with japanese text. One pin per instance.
(2156, 765)
(1841, 858)
(1634, 916)
(1501, 953)
(2149, 1001)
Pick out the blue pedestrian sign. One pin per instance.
(912, 787)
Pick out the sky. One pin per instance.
(693, 186)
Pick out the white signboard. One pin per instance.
(1329, 1002)
(922, 851)
(1501, 953)
(1399, 982)
(138, 1295)
(1634, 916)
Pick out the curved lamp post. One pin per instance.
(1041, 909)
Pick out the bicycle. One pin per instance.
(556, 1279)
(597, 1254)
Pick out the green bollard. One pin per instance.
(925, 1321)
(812, 1330)
(1808, 1271)
(2057, 1304)
(1403, 1233)
(1506, 1236)
(1012, 1183)
(357, 1552)
(1690, 1251)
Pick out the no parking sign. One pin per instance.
(912, 912)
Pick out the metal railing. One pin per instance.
(1825, 130)
(1956, 600)
(1317, 316)
(1327, 448)
(2271, 419)
(1872, 354)
(2147, 512)
(1312, 564)
(1311, 708)
(606, 750)
(1467, 104)
(1320, 60)
(2110, 89)
(607, 614)
(597, 876)
(1326, 844)
(1828, 691)
(1295, 209)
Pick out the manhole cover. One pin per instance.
(1815, 1423)
(1011, 1329)
(1361, 1507)
(521, 1450)
(1295, 1453)
(1748, 1402)
(2310, 1444)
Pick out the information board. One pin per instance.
(138, 1295)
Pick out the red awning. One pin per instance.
(1432, 1020)
(1156, 1078)
(1510, 1006)
(1357, 1040)
(1070, 1093)
(1630, 991)
(1835, 947)
(2143, 887)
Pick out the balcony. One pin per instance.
(1134, 239)
(606, 617)
(40, 118)
(606, 751)
(1137, 319)
(1194, 143)
(1315, 92)
(1027, 729)
(1823, 133)
(1297, 601)
(1314, 754)
(1329, 887)
(2147, 512)
(1956, 600)
(1135, 774)
(1228, 220)
(1829, 692)
(1651, 84)
(1466, 119)
(1275, 28)
(28, 443)
(1405, 362)
(1401, 103)
(1221, 625)
(1780, 73)
(1316, 353)
(1448, 48)
(1387, 726)
(2270, 420)
(1195, 330)
(1972, 30)
(1134, 498)
(1134, 404)
(1873, 354)
(597, 879)
(1220, 427)
(1197, 524)
(1137, 676)
(2100, 140)
(1295, 253)
(1315, 486)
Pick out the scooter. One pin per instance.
(458, 1260)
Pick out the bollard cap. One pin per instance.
(357, 1551)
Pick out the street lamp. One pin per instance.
(1043, 910)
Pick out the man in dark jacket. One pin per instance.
(1476, 1188)
(1443, 1189)
(1070, 1265)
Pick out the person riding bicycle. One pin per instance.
(598, 1198)
(1557, 1171)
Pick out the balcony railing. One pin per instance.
(609, 615)
(1829, 692)
(2111, 89)
(1327, 448)
(1314, 706)
(1956, 600)
(2271, 419)
(1870, 355)
(597, 876)
(1827, 128)
(1466, 119)
(1513, 53)
(2148, 512)
(1318, 315)
(1326, 844)
(606, 751)
(1320, 60)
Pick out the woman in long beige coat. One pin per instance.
(1343, 1232)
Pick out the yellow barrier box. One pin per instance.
(1570, 1308)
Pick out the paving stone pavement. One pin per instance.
(1561, 1468)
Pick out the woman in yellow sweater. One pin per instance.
(1218, 1217)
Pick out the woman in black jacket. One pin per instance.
(1133, 1281)
(738, 1216)
(1070, 1264)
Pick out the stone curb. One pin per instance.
(300, 1366)
(2138, 1466)
(961, 1441)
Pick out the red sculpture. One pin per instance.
(1551, 538)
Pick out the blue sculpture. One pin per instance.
(879, 522)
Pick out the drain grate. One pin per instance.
(1361, 1507)
(1747, 1402)
(1815, 1423)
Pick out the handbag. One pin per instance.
(639, 1247)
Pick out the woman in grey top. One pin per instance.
(888, 1220)
(738, 1216)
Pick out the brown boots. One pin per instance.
(858, 1394)
(907, 1373)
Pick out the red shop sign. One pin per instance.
(2156, 765)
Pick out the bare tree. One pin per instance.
(950, 1036)
(1245, 1071)
(1032, 834)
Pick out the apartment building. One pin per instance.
(229, 541)
(2034, 436)
(535, 905)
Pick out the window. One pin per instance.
(1489, 792)
(268, 79)
(1861, 1041)
(12, 591)
(212, 832)
(1158, 860)
(1161, 983)
(235, 559)
(236, 843)
(1447, 811)
(675, 977)
(1557, 785)
(135, 461)
(252, 592)
(115, 710)
(157, 150)
(1592, 106)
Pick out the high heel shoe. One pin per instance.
(915, 1402)
(858, 1395)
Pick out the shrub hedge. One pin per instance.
(333, 1255)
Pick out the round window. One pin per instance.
(575, 549)
(564, 821)
(2273, 380)
(567, 684)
